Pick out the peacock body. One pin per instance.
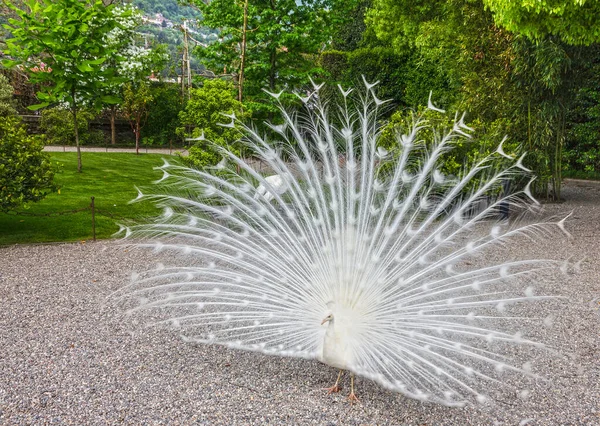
(370, 261)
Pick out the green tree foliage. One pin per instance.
(574, 21)
(482, 142)
(132, 61)
(283, 38)
(350, 27)
(582, 153)
(406, 74)
(26, 173)
(63, 45)
(203, 115)
(7, 104)
(404, 78)
(544, 74)
(163, 114)
(496, 74)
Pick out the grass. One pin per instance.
(109, 177)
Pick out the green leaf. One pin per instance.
(8, 63)
(110, 99)
(97, 61)
(38, 106)
(84, 67)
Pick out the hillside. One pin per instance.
(163, 19)
(171, 10)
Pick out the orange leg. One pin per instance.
(335, 387)
(352, 397)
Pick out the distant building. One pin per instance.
(158, 20)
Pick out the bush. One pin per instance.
(57, 125)
(7, 104)
(26, 174)
(163, 115)
(405, 78)
(484, 139)
(582, 149)
(202, 115)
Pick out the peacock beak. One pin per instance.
(327, 318)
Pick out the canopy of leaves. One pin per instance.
(496, 74)
(26, 173)
(574, 21)
(62, 45)
(131, 60)
(283, 38)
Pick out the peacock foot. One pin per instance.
(352, 398)
(334, 389)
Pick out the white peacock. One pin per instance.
(369, 261)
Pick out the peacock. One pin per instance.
(367, 258)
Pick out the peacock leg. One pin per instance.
(335, 387)
(352, 397)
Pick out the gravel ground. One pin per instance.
(68, 358)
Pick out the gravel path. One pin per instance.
(67, 358)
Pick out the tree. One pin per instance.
(573, 21)
(131, 62)
(62, 45)
(274, 44)
(498, 75)
(136, 101)
(582, 145)
(26, 173)
(57, 125)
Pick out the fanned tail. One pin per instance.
(406, 252)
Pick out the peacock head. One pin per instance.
(330, 311)
(328, 318)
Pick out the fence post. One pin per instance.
(93, 219)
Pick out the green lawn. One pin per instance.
(109, 177)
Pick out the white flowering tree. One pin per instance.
(132, 62)
(69, 38)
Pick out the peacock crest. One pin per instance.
(368, 259)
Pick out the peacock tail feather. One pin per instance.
(401, 253)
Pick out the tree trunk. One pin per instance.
(137, 136)
(74, 111)
(558, 154)
(272, 72)
(113, 128)
(243, 53)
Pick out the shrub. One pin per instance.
(163, 114)
(26, 174)
(7, 104)
(484, 140)
(57, 125)
(202, 116)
